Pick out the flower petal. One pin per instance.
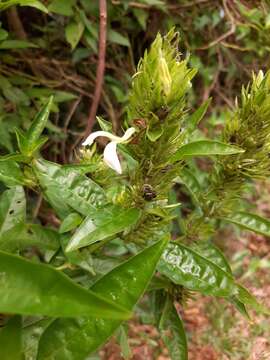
(129, 132)
(90, 139)
(111, 157)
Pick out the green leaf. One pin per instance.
(67, 188)
(3, 34)
(36, 289)
(205, 148)
(11, 174)
(11, 340)
(16, 44)
(214, 254)
(23, 236)
(75, 339)
(62, 7)
(104, 125)
(250, 221)
(31, 335)
(12, 208)
(38, 125)
(184, 266)
(103, 224)
(193, 120)
(70, 222)
(173, 332)
(117, 38)
(33, 3)
(187, 178)
(154, 132)
(73, 32)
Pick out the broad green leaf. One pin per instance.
(14, 157)
(31, 334)
(58, 96)
(66, 188)
(103, 224)
(186, 267)
(3, 34)
(173, 332)
(205, 148)
(33, 3)
(194, 119)
(10, 173)
(75, 339)
(73, 32)
(36, 289)
(11, 339)
(62, 7)
(187, 178)
(117, 38)
(23, 236)
(12, 208)
(214, 254)
(104, 125)
(34, 132)
(16, 44)
(70, 222)
(250, 221)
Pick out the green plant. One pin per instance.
(113, 242)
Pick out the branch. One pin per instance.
(100, 67)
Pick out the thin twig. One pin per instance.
(224, 36)
(100, 67)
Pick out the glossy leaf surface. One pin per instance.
(12, 208)
(67, 189)
(173, 332)
(10, 173)
(35, 289)
(75, 339)
(193, 120)
(186, 267)
(38, 125)
(205, 148)
(250, 221)
(103, 224)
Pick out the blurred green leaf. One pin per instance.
(11, 339)
(73, 32)
(62, 7)
(10, 173)
(70, 222)
(117, 38)
(250, 222)
(173, 332)
(205, 148)
(12, 208)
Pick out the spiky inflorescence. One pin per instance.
(249, 128)
(156, 108)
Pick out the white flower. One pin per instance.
(110, 155)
